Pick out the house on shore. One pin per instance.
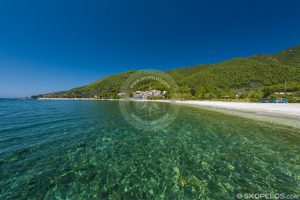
(121, 94)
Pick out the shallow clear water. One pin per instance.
(87, 150)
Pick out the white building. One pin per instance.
(122, 94)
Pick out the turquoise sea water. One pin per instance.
(87, 150)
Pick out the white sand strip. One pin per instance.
(286, 114)
(291, 109)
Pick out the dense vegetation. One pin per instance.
(243, 79)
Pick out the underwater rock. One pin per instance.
(192, 183)
(182, 182)
(2, 162)
(177, 172)
(82, 144)
(22, 152)
(231, 167)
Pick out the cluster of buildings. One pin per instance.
(145, 94)
(148, 94)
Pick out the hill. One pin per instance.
(249, 78)
(290, 56)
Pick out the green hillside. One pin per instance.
(236, 79)
(290, 56)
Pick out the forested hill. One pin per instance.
(243, 78)
(290, 56)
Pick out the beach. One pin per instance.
(279, 113)
(285, 114)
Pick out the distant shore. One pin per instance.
(286, 114)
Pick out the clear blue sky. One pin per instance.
(56, 45)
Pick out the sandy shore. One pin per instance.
(286, 114)
(279, 113)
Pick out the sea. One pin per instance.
(71, 149)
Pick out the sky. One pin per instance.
(56, 45)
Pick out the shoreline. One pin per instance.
(279, 113)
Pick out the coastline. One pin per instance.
(285, 114)
(277, 113)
